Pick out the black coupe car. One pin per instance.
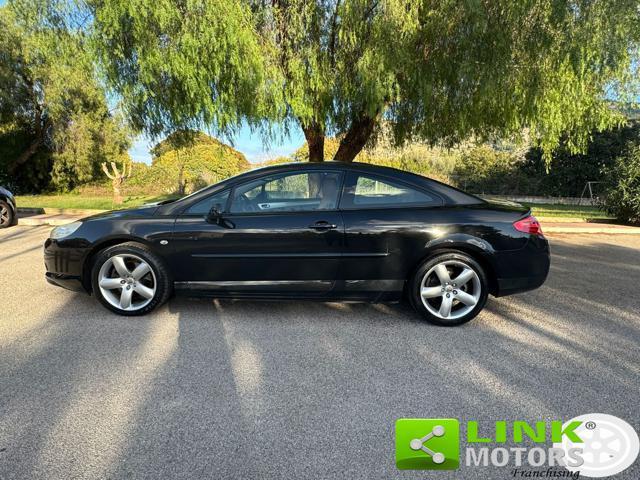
(327, 231)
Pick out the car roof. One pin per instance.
(451, 195)
(332, 165)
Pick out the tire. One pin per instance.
(118, 274)
(432, 295)
(6, 215)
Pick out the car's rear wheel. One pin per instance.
(449, 289)
(130, 279)
(6, 215)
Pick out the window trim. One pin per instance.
(341, 185)
(349, 186)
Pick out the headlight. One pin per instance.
(64, 230)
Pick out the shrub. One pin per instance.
(489, 170)
(183, 166)
(622, 195)
(569, 172)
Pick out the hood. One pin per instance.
(139, 212)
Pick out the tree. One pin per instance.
(118, 176)
(50, 96)
(188, 160)
(569, 172)
(621, 196)
(437, 71)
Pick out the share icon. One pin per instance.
(418, 444)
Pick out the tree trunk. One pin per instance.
(314, 134)
(356, 138)
(26, 155)
(37, 142)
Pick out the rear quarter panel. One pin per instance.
(395, 241)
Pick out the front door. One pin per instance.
(281, 233)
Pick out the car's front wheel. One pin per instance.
(449, 289)
(129, 279)
(6, 215)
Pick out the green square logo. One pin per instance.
(427, 443)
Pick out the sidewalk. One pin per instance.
(584, 227)
(51, 216)
(47, 219)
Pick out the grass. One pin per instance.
(84, 202)
(572, 211)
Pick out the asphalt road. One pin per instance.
(221, 389)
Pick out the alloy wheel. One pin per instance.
(127, 282)
(4, 215)
(450, 289)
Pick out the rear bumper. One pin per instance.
(509, 286)
(522, 270)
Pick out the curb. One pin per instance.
(591, 230)
(53, 220)
(561, 219)
(58, 211)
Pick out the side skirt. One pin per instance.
(349, 290)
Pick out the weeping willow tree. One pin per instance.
(439, 71)
(55, 122)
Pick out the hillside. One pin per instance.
(185, 162)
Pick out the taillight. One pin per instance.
(528, 225)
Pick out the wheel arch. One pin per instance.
(473, 250)
(87, 264)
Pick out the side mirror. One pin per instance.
(215, 215)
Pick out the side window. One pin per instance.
(290, 192)
(370, 191)
(204, 206)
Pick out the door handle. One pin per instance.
(323, 226)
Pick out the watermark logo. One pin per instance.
(427, 444)
(609, 445)
(594, 445)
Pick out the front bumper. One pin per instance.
(64, 260)
(65, 281)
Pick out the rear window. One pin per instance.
(370, 191)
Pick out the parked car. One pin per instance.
(328, 231)
(8, 209)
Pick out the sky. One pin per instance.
(247, 142)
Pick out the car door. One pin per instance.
(386, 229)
(277, 234)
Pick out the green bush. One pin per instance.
(485, 169)
(622, 195)
(183, 164)
(568, 172)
